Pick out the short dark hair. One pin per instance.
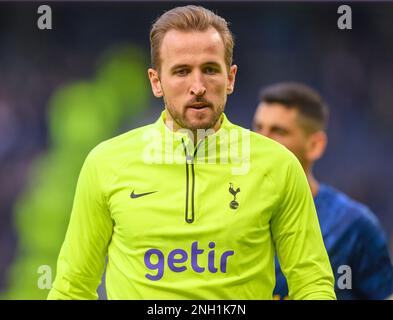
(301, 97)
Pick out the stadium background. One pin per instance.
(64, 90)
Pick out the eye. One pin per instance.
(210, 70)
(181, 72)
(281, 132)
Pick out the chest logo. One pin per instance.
(134, 195)
(234, 204)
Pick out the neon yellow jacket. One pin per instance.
(184, 222)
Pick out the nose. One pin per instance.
(198, 87)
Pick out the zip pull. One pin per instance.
(189, 159)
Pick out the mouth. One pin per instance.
(199, 106)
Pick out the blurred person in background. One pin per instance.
(165, 233)
(296, 116)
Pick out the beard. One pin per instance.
(193, 119)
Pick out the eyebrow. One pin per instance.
(209, 63)
(178, 66)
(278, 127)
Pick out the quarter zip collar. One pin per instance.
(172, 142)
(180, 140)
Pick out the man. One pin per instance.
(178, 211)
(296, 116)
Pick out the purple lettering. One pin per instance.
(211, 266)
(178, 260)
(159, 266)
(172, 260)
(194, 257)
(224, 258)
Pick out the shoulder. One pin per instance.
(263, 152)
(259, 144)
(271, 161)
(267, 151)
(276, 161)
(363, 219)
(124, 144)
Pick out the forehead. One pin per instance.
(192, 46)
(276, 113)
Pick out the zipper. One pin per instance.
(190, 200)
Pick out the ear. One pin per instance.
(231, 79)
(155, 83)
(316, 146)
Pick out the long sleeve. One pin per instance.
(82, 257)
(298, 240)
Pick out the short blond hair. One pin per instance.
(189, 18)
